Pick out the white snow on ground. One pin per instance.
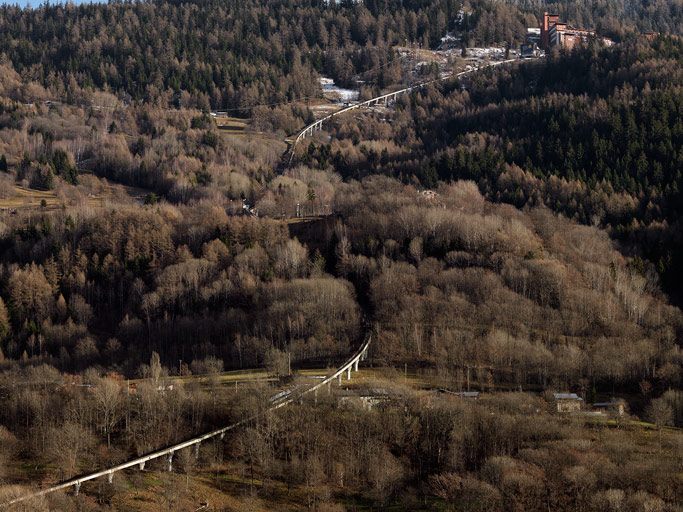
(329, 87)
(482, 53)
(449, 39)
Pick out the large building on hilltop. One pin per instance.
(549, 20)
(557, 33)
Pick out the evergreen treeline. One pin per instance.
(227, 54)
(223, 54)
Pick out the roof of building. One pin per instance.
(608, 404)
(463, 394)
(468, 394)
(567, 396)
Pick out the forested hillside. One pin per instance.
(506, 246)
(595, 134)
(215, 53)
(234, 55)
(452, 280)
(447, 282)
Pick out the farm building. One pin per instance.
(567, 402)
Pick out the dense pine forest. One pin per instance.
(234, 55)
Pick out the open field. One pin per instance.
(231, 124)
(23, 198)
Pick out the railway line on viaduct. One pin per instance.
(386, 98)
(280, 400)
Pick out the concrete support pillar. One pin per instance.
(222, 435)
(170, 462)
(110, 477)
(77, 488)
(355, 365)
(196, 451)
(340, 378)
(329, 388)
(142, 466)
(348, 373)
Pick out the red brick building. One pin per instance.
(549, 20)
(557, 33)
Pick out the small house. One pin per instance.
(613, 407)
(366, 399)
(568, 402)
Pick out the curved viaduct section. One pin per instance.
(280, 400)
(385, 98)
(167, 453)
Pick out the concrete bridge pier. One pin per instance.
(142, 466)
(222, 435)
(355, 366)
(77, 488)
(340, 378)
(348, 373)
(196, 451)
(170, 462)
(329, 388)
(110, 477)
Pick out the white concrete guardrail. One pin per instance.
(386, 98)
(168, 452)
